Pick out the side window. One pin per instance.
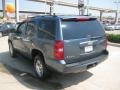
(30, 29)
(8, 26)
(47, 29)
(22, 28)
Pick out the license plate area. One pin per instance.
(88, 49)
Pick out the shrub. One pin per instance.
(1, 17)
(114, 38)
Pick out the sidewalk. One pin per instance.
(113, 44)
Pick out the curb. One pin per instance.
(114, 44)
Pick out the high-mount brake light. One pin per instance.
(82, 19)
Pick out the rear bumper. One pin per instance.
(81, 66)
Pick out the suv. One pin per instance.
(67, 44)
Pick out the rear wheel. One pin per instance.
(40, 67)
(12, 50)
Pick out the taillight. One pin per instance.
(106, 40)
(59, 50)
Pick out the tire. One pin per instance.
(1, 34)
(12, 50)
(40, 67)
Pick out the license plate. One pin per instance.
(88, 49)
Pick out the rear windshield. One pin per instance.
(79, 29)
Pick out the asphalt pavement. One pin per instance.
(18, 74)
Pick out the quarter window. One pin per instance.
(47, 29)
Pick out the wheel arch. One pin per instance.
(35, 52)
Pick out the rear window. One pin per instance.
(10, 25)
(81, 29)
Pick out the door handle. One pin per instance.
(26, 40)
(17, 37)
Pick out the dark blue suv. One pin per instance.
(66, 44)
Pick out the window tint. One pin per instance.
(22, 28)
(30, 29)
(47, 29)
(77, 30)
(4, 27)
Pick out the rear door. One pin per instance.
(83, 39)
(27, 39)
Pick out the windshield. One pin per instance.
(77, 29)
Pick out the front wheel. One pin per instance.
(40, 67)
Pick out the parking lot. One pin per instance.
(17, 73)
(113, 32)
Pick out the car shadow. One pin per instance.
(23, 71)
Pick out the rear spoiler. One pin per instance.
(79, 19)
